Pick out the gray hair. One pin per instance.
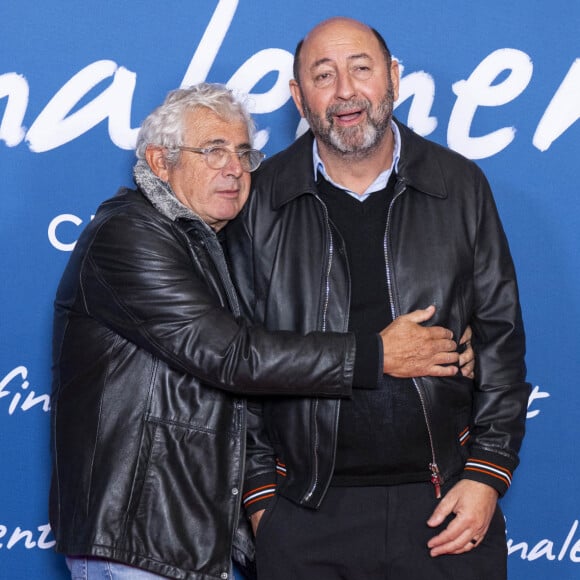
(164, 127)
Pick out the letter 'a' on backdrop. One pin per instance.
(498, 82)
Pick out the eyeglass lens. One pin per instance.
(218, 157)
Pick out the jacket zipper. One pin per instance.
(328, 265)
(436, 478)
(325, 302)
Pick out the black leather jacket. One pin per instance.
(444, 245)
(148, 423)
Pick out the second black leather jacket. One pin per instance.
(443, 245)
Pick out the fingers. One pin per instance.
(467, 369)
(442, 345)
(412, 350)
(467, 356)
(419, 316)
(444, 364)
(466, 336)
(412, 364)
(255, 520)
(457, 537)
(439, 371)
(473, 505)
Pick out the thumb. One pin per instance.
(439, 514)
(419, 316)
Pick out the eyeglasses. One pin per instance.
(218, 157)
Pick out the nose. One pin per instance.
(233, 166)
(345, 88)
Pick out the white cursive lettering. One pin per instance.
(534, 396)
(30, 539)
(57, 124)
(563, 110)
(547, 548)
(479, 90)
(17, 402)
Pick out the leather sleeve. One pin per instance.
(501, 392)
(260, 472)
(137, 278)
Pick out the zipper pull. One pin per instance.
(435, 479)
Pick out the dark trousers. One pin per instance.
(369, 533)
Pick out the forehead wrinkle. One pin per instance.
(218, 141)
(320, 62)
(350, 57)
(360, 55)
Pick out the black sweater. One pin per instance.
(382, 437)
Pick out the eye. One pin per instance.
(250, 159)
(361, 71)
(245, 155)
(217, 154)
(324, 79)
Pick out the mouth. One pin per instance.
(348, 118)
(229, 193)
(347, 115)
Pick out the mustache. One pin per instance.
(340, 108)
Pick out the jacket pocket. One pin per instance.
(185, 497)
(266, 518)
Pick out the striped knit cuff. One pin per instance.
(490, 468)
(258, 494)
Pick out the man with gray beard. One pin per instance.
(359, 225)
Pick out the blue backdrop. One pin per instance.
(497, 81)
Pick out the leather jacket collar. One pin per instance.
(429, 180)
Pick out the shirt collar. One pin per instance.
(381, 180)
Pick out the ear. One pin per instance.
(296, 96)
(395, 76)
(155, 157)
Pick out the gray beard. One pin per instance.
(353, 142)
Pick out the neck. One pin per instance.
(354, 172)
